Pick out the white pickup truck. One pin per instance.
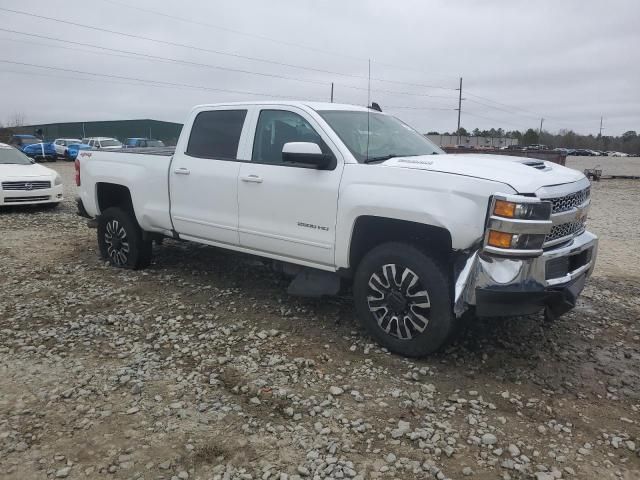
(341, 195)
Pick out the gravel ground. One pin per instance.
(202, 367)
(609, 165)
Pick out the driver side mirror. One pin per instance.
(306, 153)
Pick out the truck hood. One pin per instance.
(8, 171)
(523, 174)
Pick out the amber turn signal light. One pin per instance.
(503, 208)
(499, 239)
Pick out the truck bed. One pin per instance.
(143, 171)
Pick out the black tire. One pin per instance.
(395, 316)
(121, 240)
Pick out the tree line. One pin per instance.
(628, 142)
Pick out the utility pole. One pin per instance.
(540, 131)
(600, 127)
(331, 92)
(459, 108)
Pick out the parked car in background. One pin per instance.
(44, 151)
(103, 143)
(536, 146)
(583, 152)
(74, 149)
(61, 144)
(137, 142)
(21, 141)
(23, 182)
(518, 148)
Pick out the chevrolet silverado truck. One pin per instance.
(346, 196)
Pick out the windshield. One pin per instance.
(110, 143)
(13, 156)
(29, 140)
(388, 137)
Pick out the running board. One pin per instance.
(314, 283)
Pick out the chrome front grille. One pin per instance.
(563, 204)
(41, 198)
(564, 230)
(26, 185)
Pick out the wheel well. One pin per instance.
(113, 195)
(370, 231)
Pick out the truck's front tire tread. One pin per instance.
(432, 278)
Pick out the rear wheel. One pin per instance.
(402, 297)
(121, 241)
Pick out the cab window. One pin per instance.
(277, 127)
(216, 134)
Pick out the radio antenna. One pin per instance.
(368, 104)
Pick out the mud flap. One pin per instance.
(314, 283)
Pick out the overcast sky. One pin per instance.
(568, 61)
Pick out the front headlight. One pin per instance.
(517, 225)
(58, 180)
(524, 211)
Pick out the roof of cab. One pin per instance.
(318, 106)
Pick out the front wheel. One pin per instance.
(121, 240)
(403, 299)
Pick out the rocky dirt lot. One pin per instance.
(202, 367)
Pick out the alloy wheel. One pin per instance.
(398, 301)
(115, 238)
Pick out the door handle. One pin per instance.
(251, 179)
(182, 171)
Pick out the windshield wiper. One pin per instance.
(381, 158)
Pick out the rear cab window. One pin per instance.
(216, 134)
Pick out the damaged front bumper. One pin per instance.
(506, 286)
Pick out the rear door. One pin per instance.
(203, 178)
(285, 209)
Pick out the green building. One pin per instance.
(168, 132)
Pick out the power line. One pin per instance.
(217, 52)
(536, 115)
(230, 30)
(82, 79)
(198, 64)
(495, 120)
(501, 109)
(256, 36)
(401, 107)
(144, 81)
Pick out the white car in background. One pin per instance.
(103, 143)
(24, 182)
(61, 144)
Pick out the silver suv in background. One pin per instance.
(103, 143)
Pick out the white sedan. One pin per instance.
(24, 182)
(61, 145)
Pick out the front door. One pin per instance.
(288, 210)
(204, 178)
